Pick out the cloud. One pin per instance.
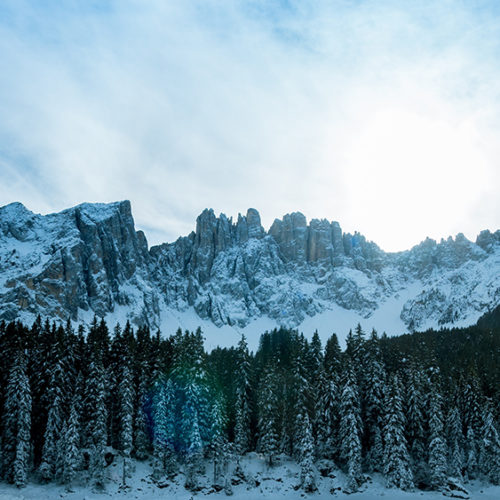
(180, 106)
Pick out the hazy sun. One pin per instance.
(411, 172)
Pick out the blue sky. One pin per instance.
(383, 115)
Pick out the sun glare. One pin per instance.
(412, 172)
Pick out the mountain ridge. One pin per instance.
(91, 259)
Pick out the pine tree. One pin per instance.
(327, 412)
(306, 447)
(218, 443)
(455, 443)
(333, 355)
(70, 452)
(267, 407)
(53, 433)
(415, 422)
(437, 446)
(126, 413)
(471, 417)
(314, 373)
(489, 461)
(350, 432)
(96, 432)
(17, 423)
(373, 404)
(397, 470)
(298, 400)
(472, 454)
(164, 429)
(327, 417)
(194, 452)
(243, 399)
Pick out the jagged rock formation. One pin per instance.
(90, 258)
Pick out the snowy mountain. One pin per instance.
(90, 259)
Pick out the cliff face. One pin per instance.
(91, 259)
(79, 259)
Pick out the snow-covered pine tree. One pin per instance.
(71, 452)
(53, 432)
(60, 452)
(373, 404)
(306, 457)
(472, 420)
(298, 399)
(358, 353)
(194, 452)
(96, 432)
(415, 422)
(350, 431)
(471, 454)
(327, 417)
(55, 398)
(116, 357)
(267, 408)
(189, 374)
(327, 412)
(489, 452)
(45, 363)
(142, 370)
(126, 415)
(243, 399)
(455, 440)
(314, 373)
(333, 355)
(218, 442)
(141, 441)
(437, 444)
(164, 429)
(17, 423)
(397, 470)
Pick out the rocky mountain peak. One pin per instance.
(90, 259)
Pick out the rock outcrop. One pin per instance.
(90, 259)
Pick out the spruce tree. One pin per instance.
(17, 423)
(455, 443)
(71, 441)
(53, 433)
(472, 420)
(306, 460)
(437, 445)
(194, 452)
(350, 432)
(415, 422)
(164, 430)
(267, 407)
(472, 454)
(96, 432)
(327, 417)
(489, 461)
(397, 470)
(243, 399)
(218, 443)
(373, 404)
(126, 414)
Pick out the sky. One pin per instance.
(382, 115)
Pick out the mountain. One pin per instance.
(90, 259)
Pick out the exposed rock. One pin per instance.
(91, 258)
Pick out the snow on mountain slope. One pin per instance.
(233, 277)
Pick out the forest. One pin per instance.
(421, 409)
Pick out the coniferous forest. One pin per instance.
(422, 409)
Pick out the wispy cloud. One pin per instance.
(338, 109)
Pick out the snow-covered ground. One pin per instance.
(261, 482)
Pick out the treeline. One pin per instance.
(419, 409)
